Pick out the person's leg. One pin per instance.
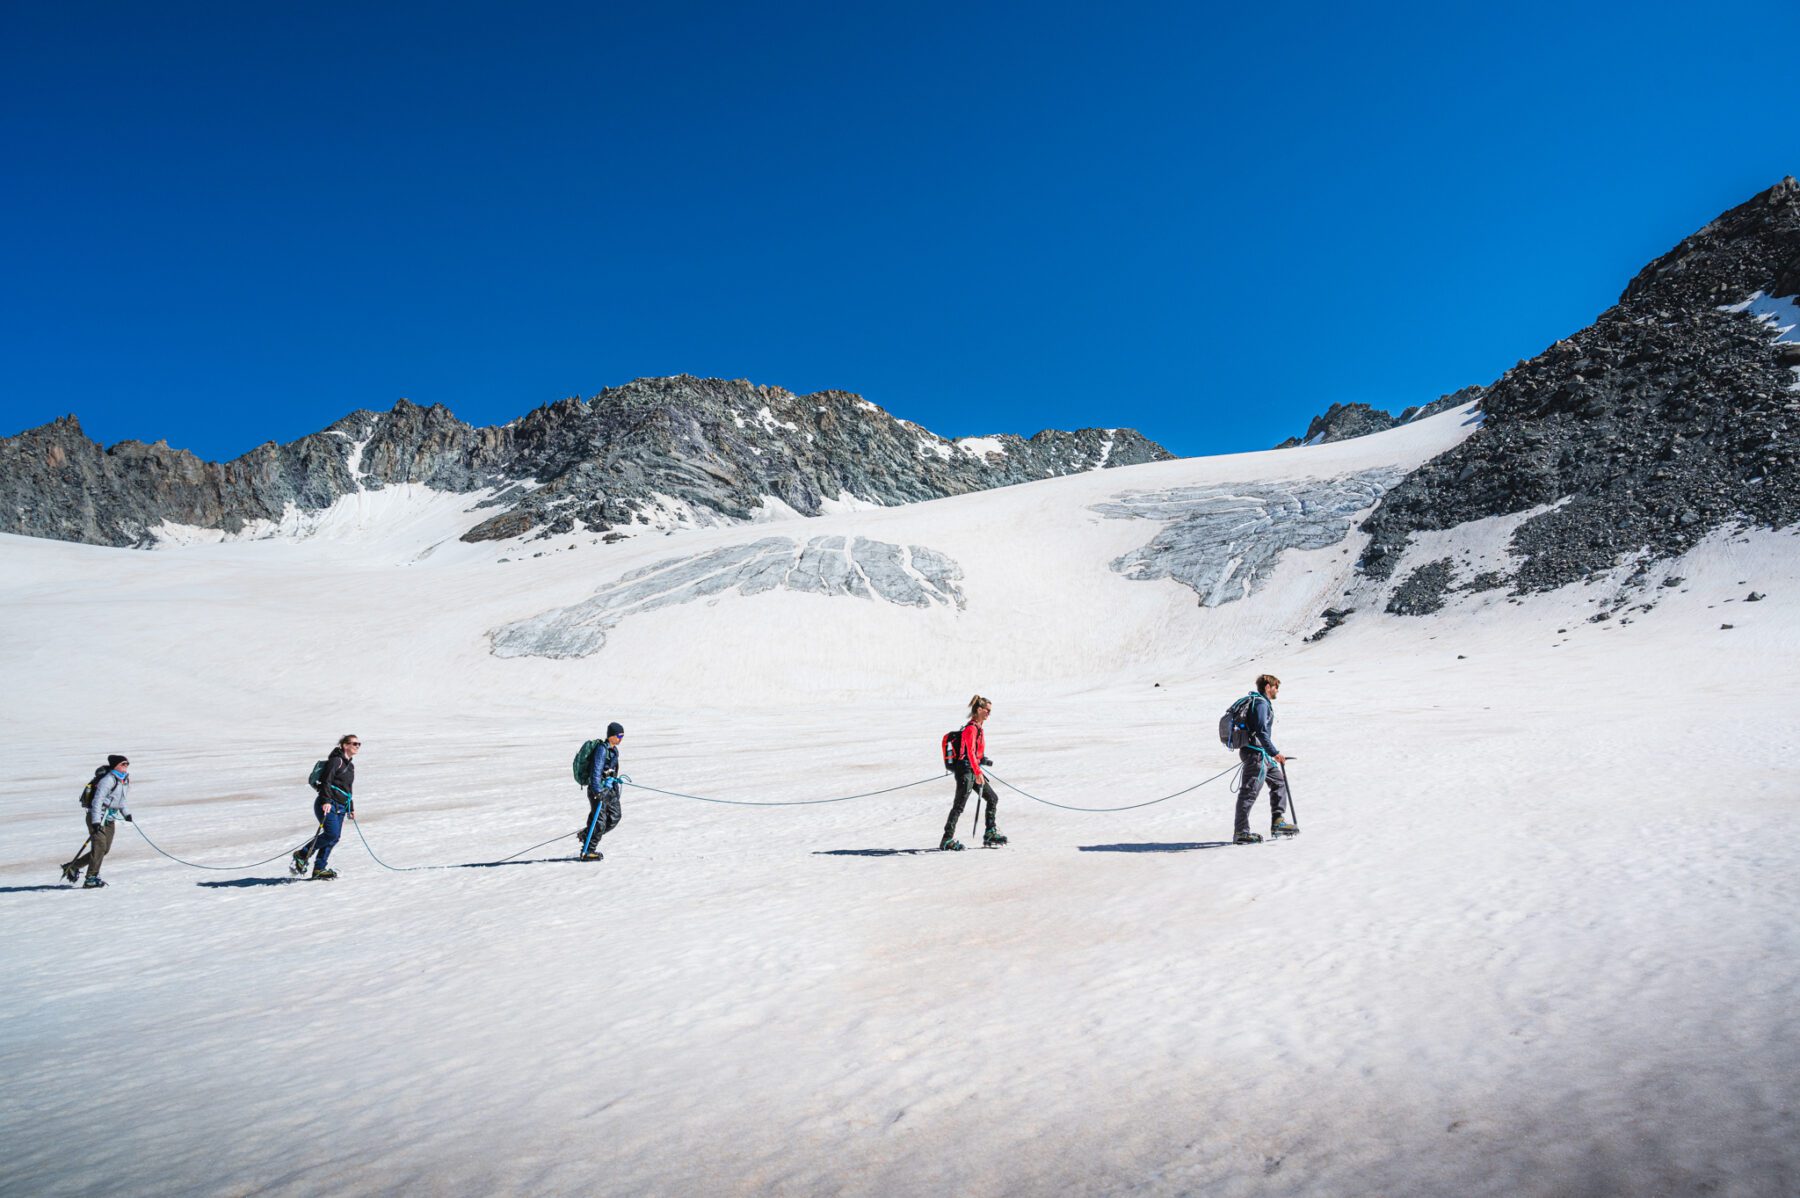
(87, 852)
(591, 831)
(102, 844)
(329, 833)
(963, 782)
(304, 852)
(614, 811)
(1278, 792)
(1248, 789)
(992, 833)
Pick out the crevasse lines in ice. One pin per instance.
(907, 575)
(1222, 541)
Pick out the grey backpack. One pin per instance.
(1234, 725)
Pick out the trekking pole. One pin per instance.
(1293, 809)
(593, 821)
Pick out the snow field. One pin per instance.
(1535, 938)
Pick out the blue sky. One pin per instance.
(231, 223)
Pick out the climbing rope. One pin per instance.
(867, 794)
(675, 794)
(1125, 807)
(223, 868)
(407, 869)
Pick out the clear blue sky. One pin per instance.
(229, 223)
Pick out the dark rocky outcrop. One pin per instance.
(655, 450)
(1342, 421)
(1673, 414)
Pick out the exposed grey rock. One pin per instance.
(1343, 421)
(1222, 541)
(1333, 617)
(911, 576)
(1671, 416)
(1424, 590)
(710, 447)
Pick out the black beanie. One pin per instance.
(113, 760)
(615, 729)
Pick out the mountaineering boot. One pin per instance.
(70, 874)
(593, 855)
(1284, 827)
(323, 875)
(1246, 838)
(299, 865)
(992, 838)
(950, 845)
(93, 883)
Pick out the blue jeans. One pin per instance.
(331, 828)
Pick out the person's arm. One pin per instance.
(96, 813)
(1261, 714)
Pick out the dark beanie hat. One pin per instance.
(113, 760)
(615, 729)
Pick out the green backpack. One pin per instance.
(584, 760)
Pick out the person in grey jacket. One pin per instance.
(106, 801)
(1262, 762)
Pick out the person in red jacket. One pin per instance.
(971, 756)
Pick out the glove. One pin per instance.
(127, 818)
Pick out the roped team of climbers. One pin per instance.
(1248, 726)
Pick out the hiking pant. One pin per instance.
(331, 828)
(1257, 770)
(98, 846)
(965, 782)
(604, 813)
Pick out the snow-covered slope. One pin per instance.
(1534, 938)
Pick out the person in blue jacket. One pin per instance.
(1262, 762)
(604, 811)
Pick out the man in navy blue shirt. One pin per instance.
(603, 793)
(1262, 762)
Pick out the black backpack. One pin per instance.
(87, 792)
(952, 747)
(1234, 725)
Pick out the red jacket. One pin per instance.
(974, 747)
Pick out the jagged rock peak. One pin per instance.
(1342, 421)
(653, 452)
(1750, 248)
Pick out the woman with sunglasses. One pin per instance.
(970, 756)
(104, 800)
(336, 782)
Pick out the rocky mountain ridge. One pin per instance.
(1676, 413)
(1341, 421)
(654, 452)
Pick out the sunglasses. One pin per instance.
(353, 744)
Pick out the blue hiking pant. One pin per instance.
(331, 828)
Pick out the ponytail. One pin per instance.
(976, 704)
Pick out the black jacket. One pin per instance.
(338, 781)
